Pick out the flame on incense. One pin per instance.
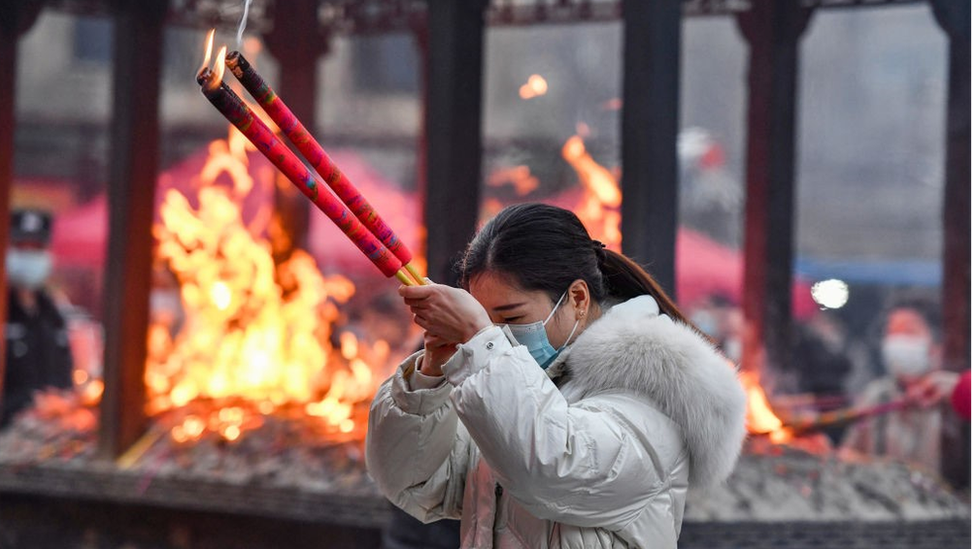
(209, 51)
(219, 65)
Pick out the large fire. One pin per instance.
(255, 336)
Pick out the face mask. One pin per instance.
(535, 338)
(905, 355)
(28, 268)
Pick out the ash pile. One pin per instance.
(791, 483)
(286, 449)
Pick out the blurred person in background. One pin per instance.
(720, 319)
(38, 353)
(910, 354)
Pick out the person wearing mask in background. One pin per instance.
(563, 402)
(38, 352)
(910, 351)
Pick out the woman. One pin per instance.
(595, 448)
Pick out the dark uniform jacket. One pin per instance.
(38, 355)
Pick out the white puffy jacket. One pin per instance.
(599, 456)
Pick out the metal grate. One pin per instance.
(948, 534)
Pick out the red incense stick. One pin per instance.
(234, 109)
(262, 92)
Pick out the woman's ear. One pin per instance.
(579, 297)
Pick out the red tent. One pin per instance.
(78, 236)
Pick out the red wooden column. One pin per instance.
(773, 29)
(954, 18)
(132, 185)
(16, 16)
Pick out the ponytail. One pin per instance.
(625, 279)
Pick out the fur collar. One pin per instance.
(635, 348)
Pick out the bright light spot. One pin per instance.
(193, 426)
(231, 415)
(221, 295)
(232, 432)
(252, 46)
(535, 87)
(830, 294)
(182, 394)
(92, 393)
(80, 376)
(178, 434)
(349, 345)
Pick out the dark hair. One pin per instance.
(922, 303)
(546, 248)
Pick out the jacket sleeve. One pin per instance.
(415, 450)
(585, 464)
(962, 396)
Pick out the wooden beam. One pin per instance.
(132, 184)
(773, 29)
(453, 127)
(955, 19)
(297, 42)
(649, 127)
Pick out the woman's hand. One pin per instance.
(436, 353)
(933, 388)
(448, 314)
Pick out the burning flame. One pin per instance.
(760, 418)
(209, 52)
(255, 336)
(599, 209)
(535, 87)
(217, 72)
(219, 65)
